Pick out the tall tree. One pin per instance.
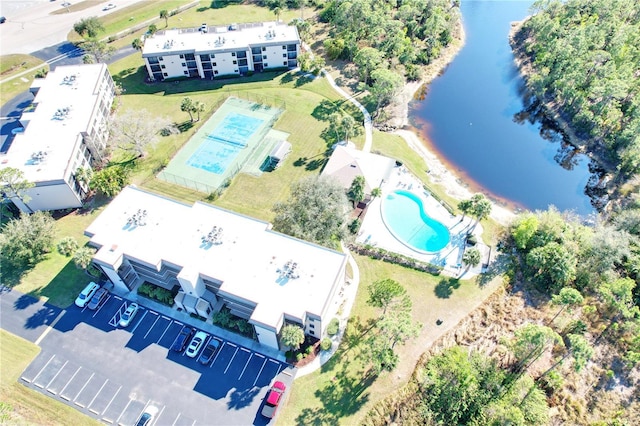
(551, 267)
(292, 336)
(187, 106)
(110, 180)
(83, 256)
(137, 44)
(25, 241)
(386, 84)
(89, 27)
(356, 191)
(314, 212)
(471, 257)
(199, 107)
(383, 292)
(531, 341)
(165, 15)
(14, 184)
(466, 207)
(135, 131)
(97, 51)
(368, 59)
(481, 207)
(566, 298)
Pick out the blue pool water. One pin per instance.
(223, 144)
(404, 215)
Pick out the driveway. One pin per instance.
(113, 374)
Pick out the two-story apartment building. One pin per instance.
(217, 258)
(65, 128)
(210, 52)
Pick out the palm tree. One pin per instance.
(199, 107)
(137, 44)
(465, 206)
(83, 256)
(471, 258)
(165, 15)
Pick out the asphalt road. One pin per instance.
(113, 374)
(30, 26)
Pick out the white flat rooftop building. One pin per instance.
(63, 129)
(218, 258)
(210, 52)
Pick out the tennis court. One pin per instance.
(230, 140)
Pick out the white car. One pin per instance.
(86, 294)
(109, 6)
(128, 315)
(196, 344)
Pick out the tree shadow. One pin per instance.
(45, 315)
(286, 79)
(444, 288)
(24, 301)
(316, 164)
(302, 80)
(301, 161)
(325, 109)
(242, 398)
(11, 275)
(356, 330)
(500, 265)
(184, 126)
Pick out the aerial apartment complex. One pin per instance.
(210, 52)
(65, 128)
(216, 259)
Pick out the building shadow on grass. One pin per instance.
(444, 288)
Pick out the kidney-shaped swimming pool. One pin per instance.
(404, 215)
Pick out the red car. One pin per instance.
(273, 399)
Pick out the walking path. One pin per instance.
(349, 297)
(368, 124)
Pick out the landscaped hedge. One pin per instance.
(157, 293)
(398, 259)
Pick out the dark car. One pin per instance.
(98, 298)
(183, 339)
(3, 19)
(209, 351)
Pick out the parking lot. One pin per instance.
(114, 374)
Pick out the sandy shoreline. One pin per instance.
(439, 173)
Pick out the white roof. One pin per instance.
(247, 262)
(346, 163)
(67, 88)
(190, 40)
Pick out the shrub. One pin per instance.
(223, 318)
(325, 344)
(299, 356)
(309, 350)
(67, 246)
(156, 293)
(41, 73)
(332, 328)
(354, 226)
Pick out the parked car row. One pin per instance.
(194, 342)
(92, 296)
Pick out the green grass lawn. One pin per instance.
(342, 392)
(21, 405)
(11, 65)
(308, 104)
(56, 278)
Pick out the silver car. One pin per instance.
(128, 315)
(196, 344)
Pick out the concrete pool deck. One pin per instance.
(375, 232)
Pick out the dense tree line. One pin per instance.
(584, 56)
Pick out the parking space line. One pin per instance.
(70, 380)
(161, 411)
(80, 391)
(166, 317)
(102, 305)
(117, 297)
(151, 328)
(139, 321)
(232, 344)
(165, 330)
(179, 323)
(114, 397)
(260, 372)
(217, 353)
(125, 409)
(229, 365)
(42, 369)
(56, 375)
(96, 395)
(245, 366)
(176, 420)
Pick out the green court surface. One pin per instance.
(238, 137)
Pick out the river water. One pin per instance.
(472, 116)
